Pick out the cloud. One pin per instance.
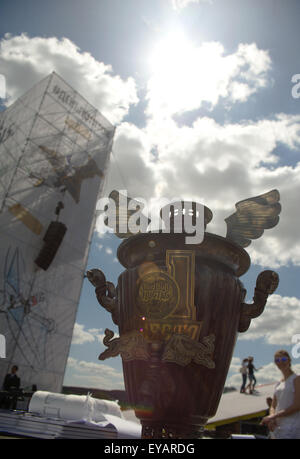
(187, 77)
(131, 162)
(279, 322)
(82, 336)
(93, 374)
(25, 61)
(218, 165)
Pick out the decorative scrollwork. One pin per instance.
(105, 291)
(183, 350)
(179, 349)
(266, 284)
(131, 346)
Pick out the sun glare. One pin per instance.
(169, 51)
(182, 74)
(171, 66)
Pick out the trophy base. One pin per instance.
(166, 430)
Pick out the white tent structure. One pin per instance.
(54, 152)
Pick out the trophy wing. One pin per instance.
(252, 217)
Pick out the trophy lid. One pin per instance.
(175, 215)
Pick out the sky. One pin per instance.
(204, 97)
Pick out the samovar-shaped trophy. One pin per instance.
(179, 308)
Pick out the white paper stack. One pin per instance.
(72, 407)
(68, 416)
(30, 425)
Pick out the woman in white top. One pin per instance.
(284, 418)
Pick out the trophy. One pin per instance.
(179, 308)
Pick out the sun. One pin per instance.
(168, 50)
(183, 75)
(171, 66)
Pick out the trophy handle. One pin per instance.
(266, 284)
(105, 292)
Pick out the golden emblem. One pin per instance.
(158, 295)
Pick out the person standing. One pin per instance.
(252, 379)
(284, 418)
(11, 386)
(12, 380)
(244, 373)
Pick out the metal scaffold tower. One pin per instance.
(54, 154)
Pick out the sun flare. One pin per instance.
(173, 68)
(183, 74)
